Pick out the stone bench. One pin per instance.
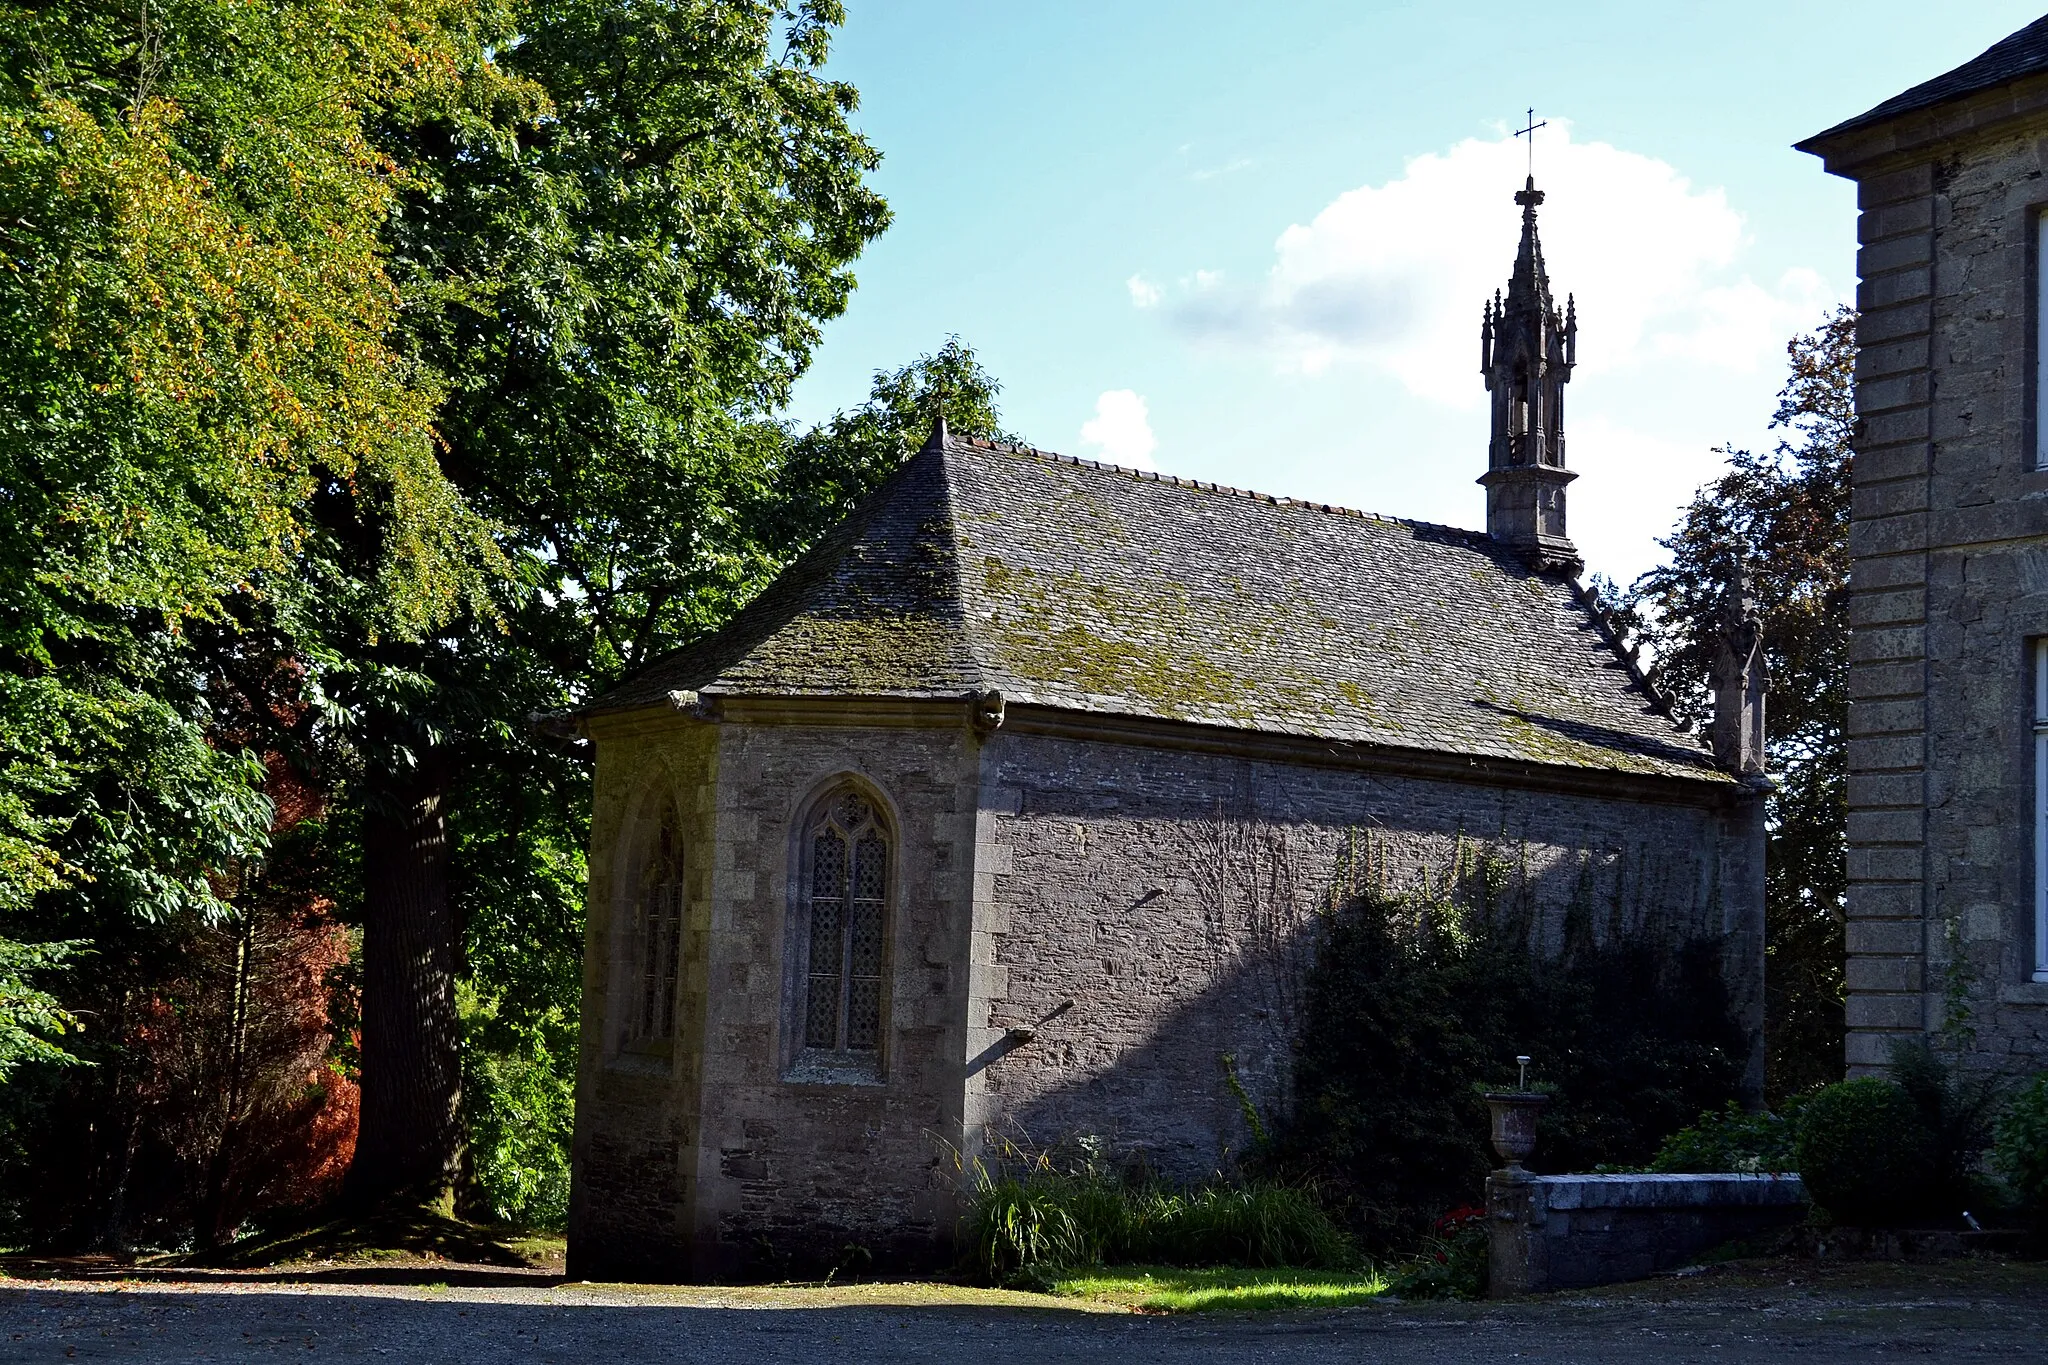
(1570, 1231)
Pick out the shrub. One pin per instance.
(1864, 1151)
(1248, 1225)
(1730, 1140)
(1452, 1263)
(1054, 1219)
(2020, 1147)
(1958, 1108)
(1415, 997)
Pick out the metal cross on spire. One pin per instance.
(1530, 133)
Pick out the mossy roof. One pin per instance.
(1091, 588)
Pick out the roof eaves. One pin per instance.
(2012, 58)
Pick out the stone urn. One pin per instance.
(1514, 1125)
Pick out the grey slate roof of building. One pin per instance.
(1088, 587)
(2020, 54)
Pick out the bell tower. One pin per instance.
(1526, 351)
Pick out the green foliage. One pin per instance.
(831, 467)
(30, 1016)
(615, 264)
(1048, 1219)
(1864, 1152)
(1418, 999)
(1733, 1139)
(196, 344)
(519, 1094)
(378, 375)
(1452, 1262)
(1785, 514)
(2020, 1147)
(1958, 1109)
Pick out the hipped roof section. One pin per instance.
(1091, 588)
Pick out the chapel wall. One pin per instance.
(1109, 862)
(790, 1175)
(1948, 585)
(632, 1194)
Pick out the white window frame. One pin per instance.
(2041, 810)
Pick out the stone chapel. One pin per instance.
(919, 853)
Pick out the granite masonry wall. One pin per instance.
(633, 1190)
(769, 1174)
(1949, 585)
(1574, 1231)
(1162, 890)
(1167, 893)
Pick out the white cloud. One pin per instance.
(1121, 429)
(1392, 277)
(1144, 293)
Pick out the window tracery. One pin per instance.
(846, 891)
(658, 936)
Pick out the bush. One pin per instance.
(1958, 1108)
(2020, 1147)
(1414, 998)
(1050, 1219)
(1731, 1140)
(1453, 1262)
(1864, 1152)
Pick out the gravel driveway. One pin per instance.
(1757, 1312)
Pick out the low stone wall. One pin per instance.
(1568, 1231)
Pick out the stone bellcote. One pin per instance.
(1526, 351)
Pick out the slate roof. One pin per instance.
(1092, 588)
(2019, 54)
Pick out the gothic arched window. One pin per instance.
(657, 936)
(845, 895)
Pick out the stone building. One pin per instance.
(997, 817)
(1948, 718)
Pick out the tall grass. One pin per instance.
(1052, 1219)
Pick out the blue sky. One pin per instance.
(1250, 243)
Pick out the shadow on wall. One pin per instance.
(1350, 988)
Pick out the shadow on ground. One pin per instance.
(1760, 1311)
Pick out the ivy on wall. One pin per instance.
(1421, 995)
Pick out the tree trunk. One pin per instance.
(409, 1143)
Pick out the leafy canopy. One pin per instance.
(195, 340)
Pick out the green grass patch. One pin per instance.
(1053, 1219)
(1172, 1289)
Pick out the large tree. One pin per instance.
(197, 339)
(1783, 514)
(199, 349)
(615, 282)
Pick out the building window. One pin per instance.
(2041, 810)
(2041, 339)
(658, 936)
(843, 914)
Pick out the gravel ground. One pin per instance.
(1750, 1312)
